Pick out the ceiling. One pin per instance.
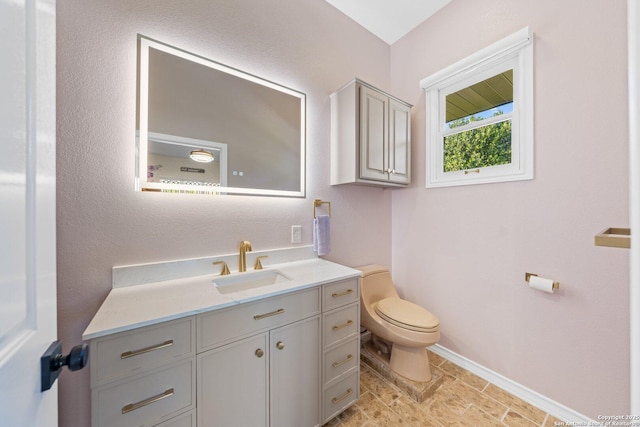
(390, 20)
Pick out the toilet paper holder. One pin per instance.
(527, 276)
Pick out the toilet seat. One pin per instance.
(407, 315)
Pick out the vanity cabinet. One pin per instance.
(284, 360)
(370, 137)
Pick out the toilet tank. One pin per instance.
(376, 284)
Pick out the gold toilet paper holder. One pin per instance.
(527, 276)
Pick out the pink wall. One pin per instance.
(307, 45)
(462, 252)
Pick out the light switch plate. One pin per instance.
(296, 233)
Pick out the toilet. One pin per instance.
(398, 327)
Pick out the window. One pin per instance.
(480, 116)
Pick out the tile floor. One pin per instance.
(463, 399)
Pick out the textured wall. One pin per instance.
(307, 45)
(462, 252)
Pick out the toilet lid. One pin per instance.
(407, 315)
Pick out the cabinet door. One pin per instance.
(374, 107)
(233, 384)
(399, 142)
(295, 374)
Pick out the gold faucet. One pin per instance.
(242, 262)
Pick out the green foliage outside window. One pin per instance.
(476, 148)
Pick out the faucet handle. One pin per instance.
(225, 269)
(258, 264)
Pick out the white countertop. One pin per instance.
(131, 307)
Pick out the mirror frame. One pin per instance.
(143, 134)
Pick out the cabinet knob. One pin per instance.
(259, 352)
(279, 345)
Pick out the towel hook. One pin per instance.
(317, 203)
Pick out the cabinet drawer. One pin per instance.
(340, 293)
(341, 359)
(340, 324)
(147, 398)
(184, 420)
(340, 396)
(225, 325)
(121, 355)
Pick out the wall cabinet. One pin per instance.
(286, 360)
(370, 137)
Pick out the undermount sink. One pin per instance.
(249, 280)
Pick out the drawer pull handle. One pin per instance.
(342, 362)
(280, 345)
(341, 294)
(344, 325)
(128, 354)
(344, 396)
(259, 352)
(133, 406)
(273, 313)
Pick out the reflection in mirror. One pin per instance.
(254, 129)
(174, 160)
(478, 124)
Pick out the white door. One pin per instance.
(27, 209)
(634, 184)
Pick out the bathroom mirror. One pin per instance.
(206, 128)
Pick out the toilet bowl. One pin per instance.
(399, 326)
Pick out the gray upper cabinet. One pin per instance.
(370, 137)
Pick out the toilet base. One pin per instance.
(416, 391)
(410, 362)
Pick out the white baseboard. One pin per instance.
(536, 399)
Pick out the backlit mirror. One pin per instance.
(206, 128)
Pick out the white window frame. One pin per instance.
(513, 52)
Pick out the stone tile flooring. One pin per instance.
(463, 399)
